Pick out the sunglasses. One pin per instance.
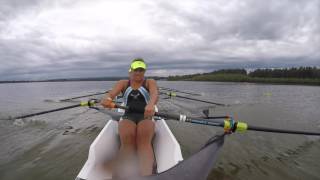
(139, 70)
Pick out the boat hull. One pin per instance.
(106, 145)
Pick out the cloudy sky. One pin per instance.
(46, 39)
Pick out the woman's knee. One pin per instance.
(143, 144)
(127, 132)
(129, 139)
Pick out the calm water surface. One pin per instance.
(55, 146)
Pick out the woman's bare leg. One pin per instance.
(127, 132)
(145, 133)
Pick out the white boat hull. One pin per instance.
(106, 145)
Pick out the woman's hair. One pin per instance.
(137, 59)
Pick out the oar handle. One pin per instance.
(168, 116)
(122, 107)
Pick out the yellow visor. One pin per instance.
(138, 64)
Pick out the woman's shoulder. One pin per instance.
(123, 81)
(150, 79)
(151, 82)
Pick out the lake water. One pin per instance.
(55, 145)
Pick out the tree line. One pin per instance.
(301, 72)
(294, 72)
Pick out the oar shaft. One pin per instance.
(265, 129)
(169, 116)
(68, 99)
(175, 90)
(49, 111)
(209, 102)
(196, 120)
(219, 123)
(208, 123)
(219, 104)
(252, 128)
(217, 117)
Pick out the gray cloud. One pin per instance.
(67, 38)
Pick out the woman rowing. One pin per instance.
(136, 128)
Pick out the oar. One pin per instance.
(72, 98)
(170, 94)
(227, 124)
(99, 93)
(175, 90)
(85, 103)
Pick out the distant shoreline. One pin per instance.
(248, 79)
(76, 79)
(203, 78)
(285, 76)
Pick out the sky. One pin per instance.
(48, 39)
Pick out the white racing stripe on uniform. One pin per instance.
(126, 94)
(145, 94)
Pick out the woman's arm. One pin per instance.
(117, 88)
(153, 90)
(107, 100)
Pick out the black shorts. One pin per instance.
(135, 117)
